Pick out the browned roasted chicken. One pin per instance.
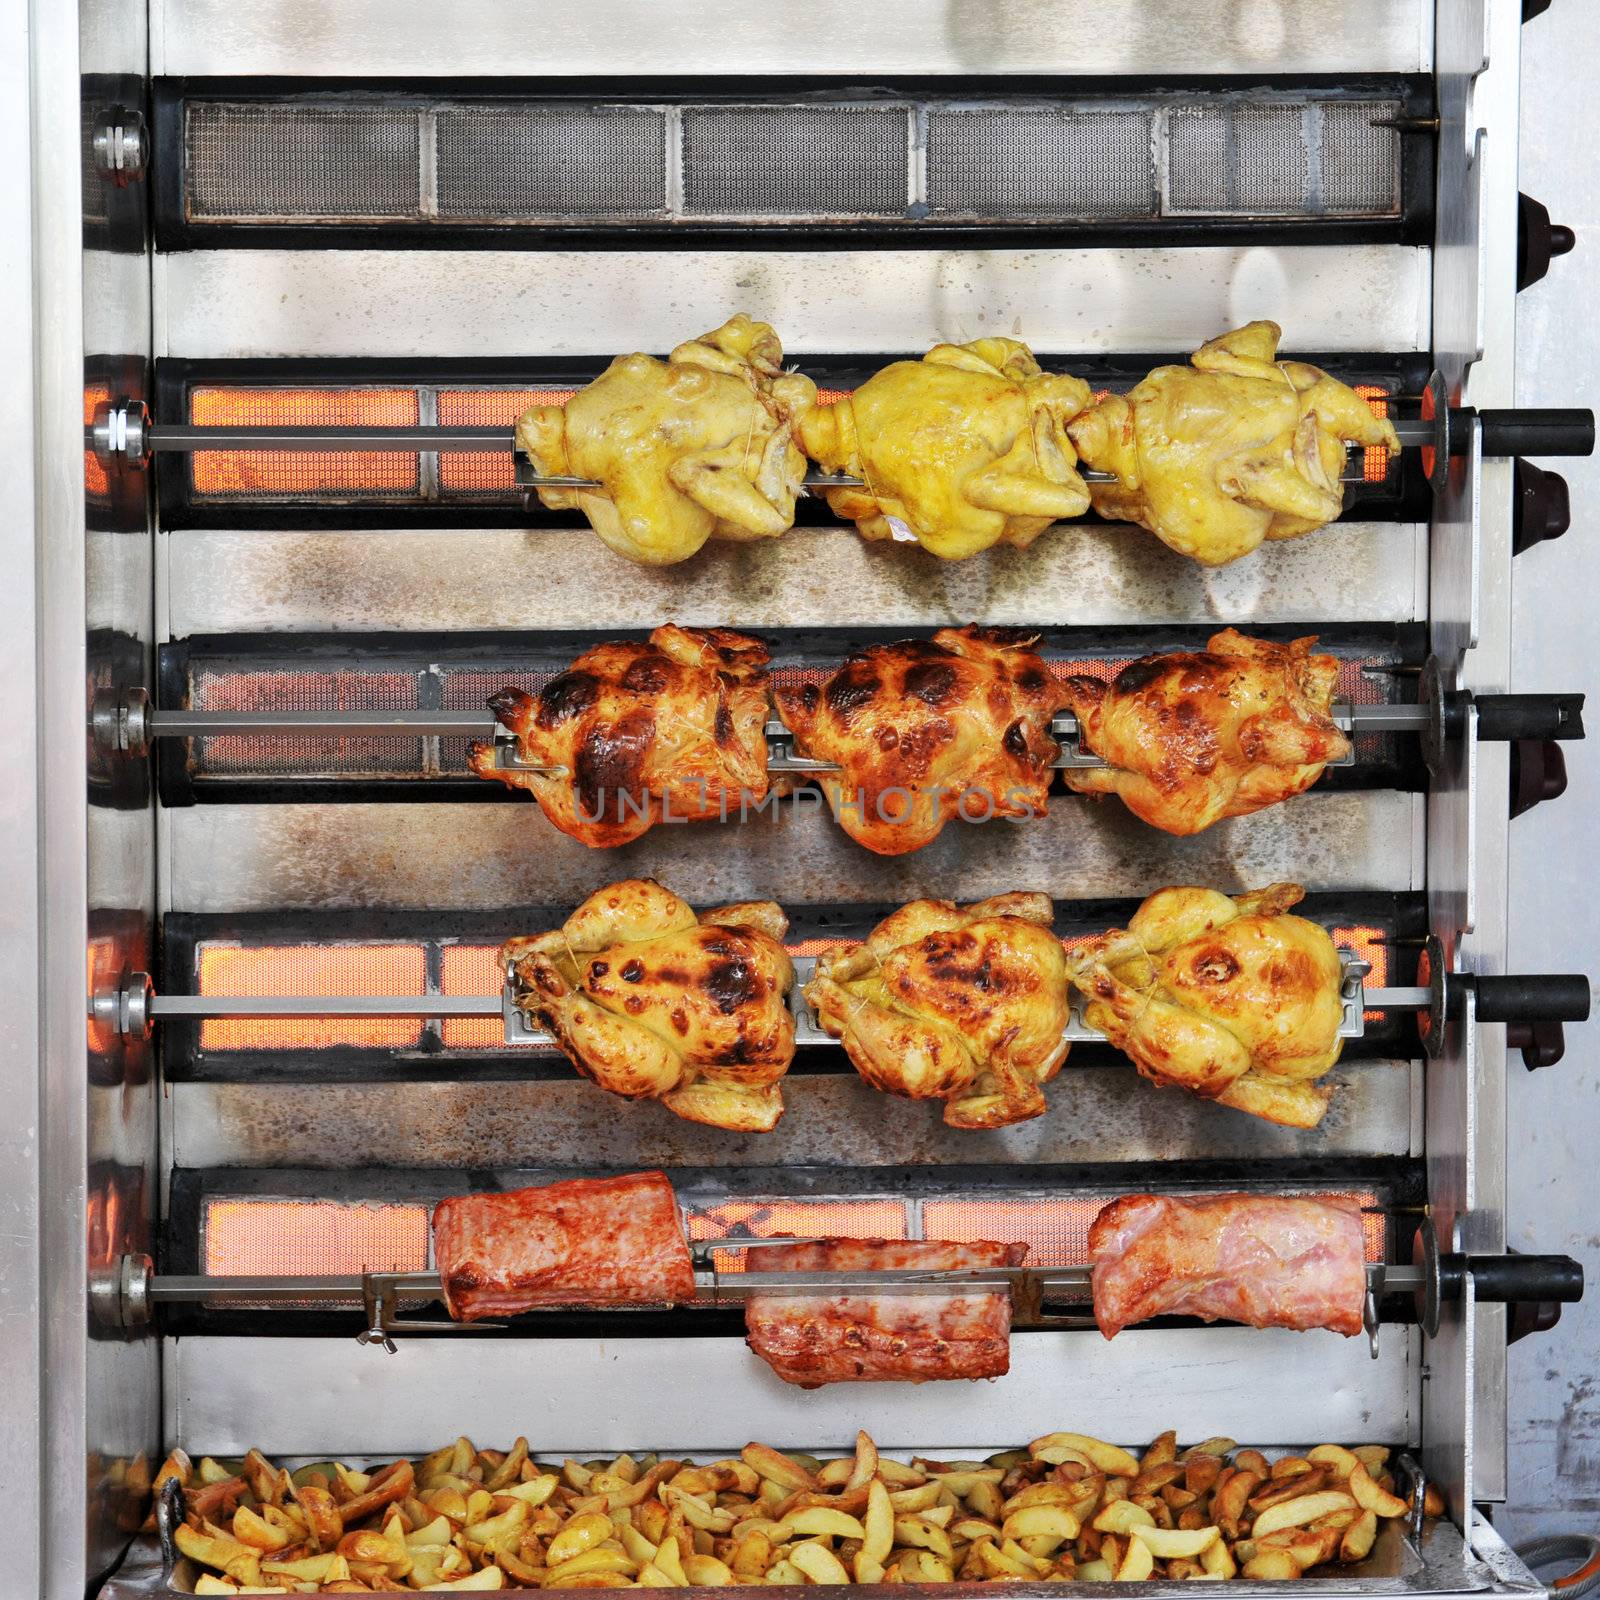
(1235, 448)
(1231, 999)
(927, 730)
(634, 733)
(964, 449)
(1191, 737)
(655, 1003)
(699, 446)
(967, 1005)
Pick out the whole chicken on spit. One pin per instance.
(1191, 737)
(1231, 999)
(966, 448)
(967, 1005)
(696, 447)
(1235, 448)
(635, 733)
(654, 1002)
(924, 730)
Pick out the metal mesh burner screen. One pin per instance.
(1360, 163)
(1238, 159)
(794, 161)
(1040, 162)
(443, 162)
(302, 162)
(511, 163)
(335, 690)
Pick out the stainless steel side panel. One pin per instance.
(505, 303)
(1096, 1114)
(368, 37)
(466, 578)
(21, 1289)
(1554, 921)
(585, 1396)
(235, 858)
(1470, 623)
(43, 1399)
(121, 1377)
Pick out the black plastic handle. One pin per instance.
(1541, 507)
(1543, 1044)
(1529, 716)
(1550, 997)
(1538, 773)
(1528, 432)
(1504, 1280)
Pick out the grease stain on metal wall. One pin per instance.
(467, 578)
(236, 858)
(1097, 1114)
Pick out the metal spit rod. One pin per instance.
(1356, 999)
(199, 1007)
(714, 1290)
(781, 758)
(185, 438)
(182, 437)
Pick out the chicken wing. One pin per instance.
(964, 1005)
(654, 1002)
(926, 730)
(966, 448)
(1231, 999)
(1192, 737)
(699, 446)
(640, 733)
(1235, 448)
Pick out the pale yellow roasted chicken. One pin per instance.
(654, 1002)
(1233, 999)
(632, 734)
(964, 449)
(1191, 737)
(967, 1005)
(1233, 449)
(699, 446)
(926, 730)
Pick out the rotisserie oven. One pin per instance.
(784, 708)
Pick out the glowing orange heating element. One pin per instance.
(1056, 1230)
(96, 480)
(305, 691)
(486, 471)
(471, 969)
(1370, 945)
(464, 969)
(1375, 458)
(804, 1219)
(306, 1238)
(303, 473)
(324, 969)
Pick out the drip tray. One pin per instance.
(1436, 1563)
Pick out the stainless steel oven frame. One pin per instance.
(88, 859)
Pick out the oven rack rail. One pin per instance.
(1537, 1004)
(128, 1293)
(130, 722)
